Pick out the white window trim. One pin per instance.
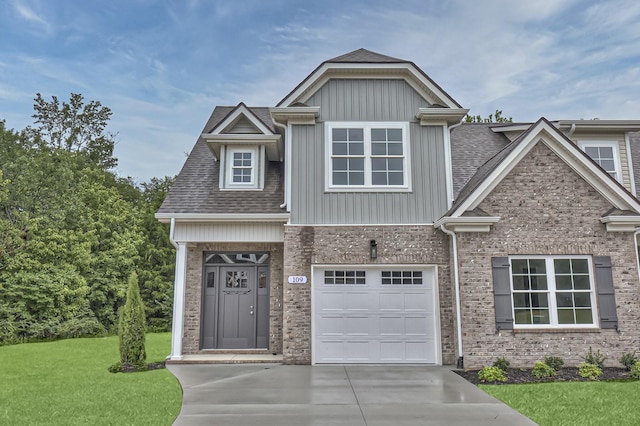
(367, 126)
(614, 144)
(551, 291)
(257, 172)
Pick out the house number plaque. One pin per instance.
(297, 279)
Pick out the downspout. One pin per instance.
(456, 278)
(172, 231)
(286, 161)
(635, 242)
(571, 130)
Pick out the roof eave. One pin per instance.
(223, 217)
(433, 115)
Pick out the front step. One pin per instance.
(236, 357)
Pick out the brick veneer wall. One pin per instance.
(193, 291)
(307, 245)
(545, 209)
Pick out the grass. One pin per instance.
(573, 403)
(66, 382)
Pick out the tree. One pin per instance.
(492, 118)
(74, 126)
(132, 327)
(157, 257)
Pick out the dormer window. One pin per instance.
(606, 154)
(242, 167)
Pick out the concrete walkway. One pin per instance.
(275, 394)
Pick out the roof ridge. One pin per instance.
(365, 56)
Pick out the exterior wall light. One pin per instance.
(373, 249)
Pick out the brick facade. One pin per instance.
(193, 291)
(308, 245)
(545, 209)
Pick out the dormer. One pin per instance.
(243, 141)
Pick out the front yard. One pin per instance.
(67, 382)
(573, 403)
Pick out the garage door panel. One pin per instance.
(331, 301)
(358, 326)
(414, 301)
(330, 350)
(417, 326)
(375, 321)
(330, 325)
(391, 326)
(418, 351)
(391, 301)
(358, 350)
(358, 301)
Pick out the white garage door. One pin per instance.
(381, 315)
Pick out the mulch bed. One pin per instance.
(568, 374)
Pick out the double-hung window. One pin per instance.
(243, 168)
(372, 156)
(553, 292)
(606, 154)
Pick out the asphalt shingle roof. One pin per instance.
(472, 144)
(197, 190)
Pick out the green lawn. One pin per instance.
(573, 403)
(67, 383)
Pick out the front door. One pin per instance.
(237, 300)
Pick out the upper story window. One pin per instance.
(371, 156)
(552, 291)
(242, 168)
(606, 154)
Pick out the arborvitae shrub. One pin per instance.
(132, 327)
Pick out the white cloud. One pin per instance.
(26, 12)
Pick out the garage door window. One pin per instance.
(344, 278)
(401, 277)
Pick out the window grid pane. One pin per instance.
(367, 156)
(570, 291)
(605, 157)
(401, 277)
(344, 277)
(242, 169)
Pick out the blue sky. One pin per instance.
(161, 66)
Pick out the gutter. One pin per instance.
(456, 275)
(286, 160)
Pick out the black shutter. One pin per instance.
(606, 293)
(502, 293)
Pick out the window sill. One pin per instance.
(556, 330)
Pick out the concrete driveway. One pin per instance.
(296, 395)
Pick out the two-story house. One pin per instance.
(358, 221)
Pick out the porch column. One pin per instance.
(178, 302)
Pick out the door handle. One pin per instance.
(251, 313)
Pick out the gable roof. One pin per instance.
(222, 113)
(491, 173)
(369, 63)
(364, 56)
(257, 116)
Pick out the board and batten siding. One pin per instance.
(229, 232)
(368, 100)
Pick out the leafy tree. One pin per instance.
(156, 264)
(132, 327)
(492, 118)
(74, 126)
(71, 231)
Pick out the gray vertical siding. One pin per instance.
(368, 100)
